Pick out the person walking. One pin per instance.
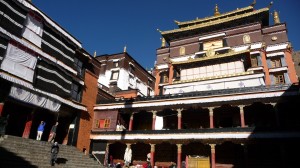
(40, 130)
(53, 133)
(127, 156)
(54, 153)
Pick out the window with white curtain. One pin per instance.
(33, 29)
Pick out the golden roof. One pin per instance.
(214, 17)
(231, 53)
(215, 22)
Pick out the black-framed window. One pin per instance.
(131, 68)
(76, 92)
(79, 67)
(114, 75)
(116, 64)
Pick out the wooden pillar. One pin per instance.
(152, 152)
(242, 115)
(265, 66)
(245, 147)
(1, 108)
(106, 157)
(28, 125)
(171, 71)
(276, 114)
(283, 156)
(179, 155)
(153, 119)
(213, 155)
(211, 117)
(157, 81)
(65, 141)
(131, 122)
(179, 117)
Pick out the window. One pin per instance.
(254, 62)
(164, 78)
(116, 64)
(279, 79)
(148, 91)
(149, 82)
(131, 68)
(114, 75)
(275, 63)
(102, 123)
(182, 51)
(33, 29)
(78, 65)
(138, 84)
(76, 92)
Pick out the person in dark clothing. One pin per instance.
(53, 133)
(54, 152)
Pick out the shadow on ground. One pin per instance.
(9, 159)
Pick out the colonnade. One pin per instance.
(210, 115)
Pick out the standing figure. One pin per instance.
(40, 130)
(53, 133)
(54, 152)
(127, 156)
(149, 160)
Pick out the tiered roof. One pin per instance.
(221, 21)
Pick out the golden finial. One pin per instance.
(125, 48)
(177, 22)
(217, 10)
(95, 53)
(289, 46)
(271, 3)
(159, 30)
(163, 42)
(276, 17)
(253, 3)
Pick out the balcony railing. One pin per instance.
(204, 130)
(209, 93)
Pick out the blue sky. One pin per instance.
(106, 26)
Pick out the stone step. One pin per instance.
(20, 152)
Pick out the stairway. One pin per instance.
(27, 153)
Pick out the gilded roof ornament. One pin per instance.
(95, 53)
(276, 17)
(217, 13)
(177, 22)
(125, 48)
(253, 3)
(163, 42)
(270, 5)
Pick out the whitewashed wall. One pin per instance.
(124, 81)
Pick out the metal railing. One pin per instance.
(95, 157)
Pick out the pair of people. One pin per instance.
(41, 129)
